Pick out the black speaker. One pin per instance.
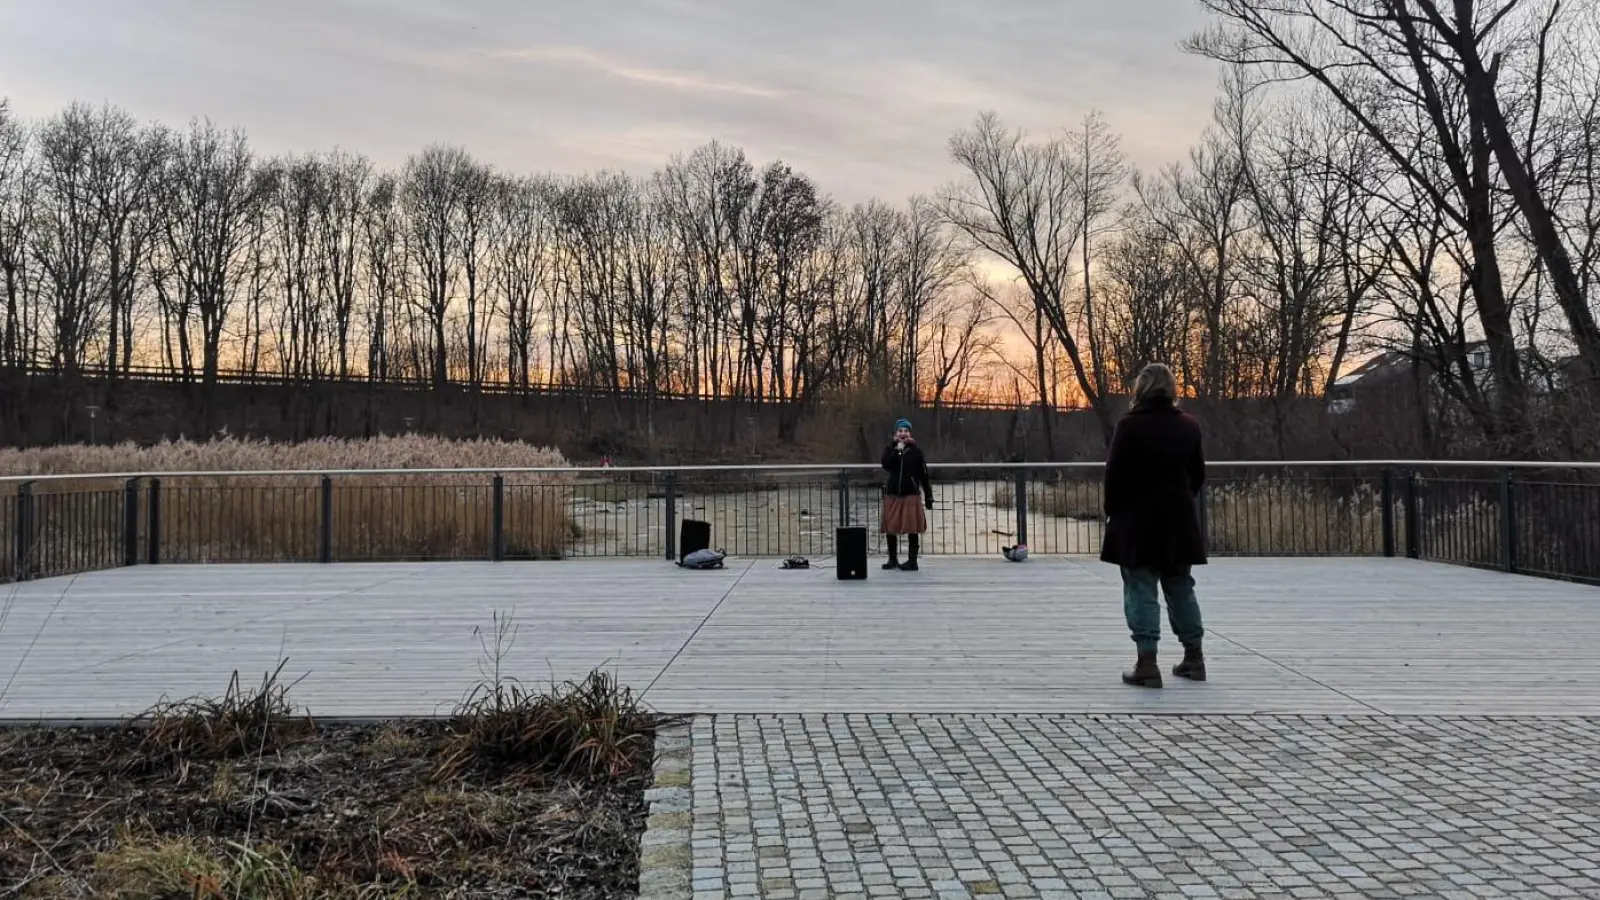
(850, 545)
(692, 536)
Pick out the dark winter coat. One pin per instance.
(908, 472)
(1152, 490)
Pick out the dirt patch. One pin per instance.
(335, 812)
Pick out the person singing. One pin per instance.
(905, 496)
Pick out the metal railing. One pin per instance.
(1536, 519)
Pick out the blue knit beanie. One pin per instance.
(902, 423)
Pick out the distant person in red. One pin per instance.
(1152, 487)
(905, 495)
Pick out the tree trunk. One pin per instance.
(1530, 201)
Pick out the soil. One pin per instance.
(348, 812)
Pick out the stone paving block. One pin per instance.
(1192, 808)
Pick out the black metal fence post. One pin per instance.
(1386, 497)
(325, 543)
(497, 522)
(130, 523)
(1203, 510)
(1508, 522)
(24, 532)
(1019, 484)
(672, 516)
(152, 527)
(1413, 518)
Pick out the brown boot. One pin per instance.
(1193, 666)
(1145, 672)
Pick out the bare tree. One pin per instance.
(958, 339)
(650, 283)
(1362, 257)
(1019, 205)
(67, 237)
(339, 212)
(791, 218)
(213, 193)
(521, 267)
(432, 192)
(1013, 302)
(295, 188)
(708, 196)
(1102, 172)
(825, 330)
(875, 262)
(594, 214)
(1442, 66)
(934, 264)
(476, 190)
(1146, 282)
(124, 163)
(383, 265)
(1202, 209)
(17, 195)
(1296, 197)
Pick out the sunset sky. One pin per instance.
(860, 94)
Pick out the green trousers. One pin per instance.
(1142, 606)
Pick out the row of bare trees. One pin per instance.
(1403, 175)
(127, 245)
(130, 245)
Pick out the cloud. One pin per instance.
(584, 58)
(860, 96)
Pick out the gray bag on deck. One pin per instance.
(703, 559)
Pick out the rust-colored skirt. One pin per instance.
(904, 515)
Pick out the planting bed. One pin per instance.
(520, 795)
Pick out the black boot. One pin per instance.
(1145, 672)
(913, 543)
(1193, 666)
(894, 552)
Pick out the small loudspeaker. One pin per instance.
(850, 545)
(692, 536)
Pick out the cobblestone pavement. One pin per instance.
(858, 806)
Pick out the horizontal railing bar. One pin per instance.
(792, 467)
(459, 381)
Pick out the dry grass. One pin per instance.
(1273, 517)
(1468, 530)
(1064, 499)
(1255, 517)
(593, 729)
(230, 454)
(147, 866)
(220, 519)
(221, 728)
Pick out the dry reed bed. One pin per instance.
(1063, 499)
(217, 519)
(1253, 516)
(80, 525)
(520, 793)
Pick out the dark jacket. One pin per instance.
(908, 472)
(1152, 489)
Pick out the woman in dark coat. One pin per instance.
(1152, 489)
(905, 494)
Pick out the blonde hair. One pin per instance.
(1155, 381)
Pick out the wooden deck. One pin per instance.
(963, 635)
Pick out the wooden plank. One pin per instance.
(1324, 636)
